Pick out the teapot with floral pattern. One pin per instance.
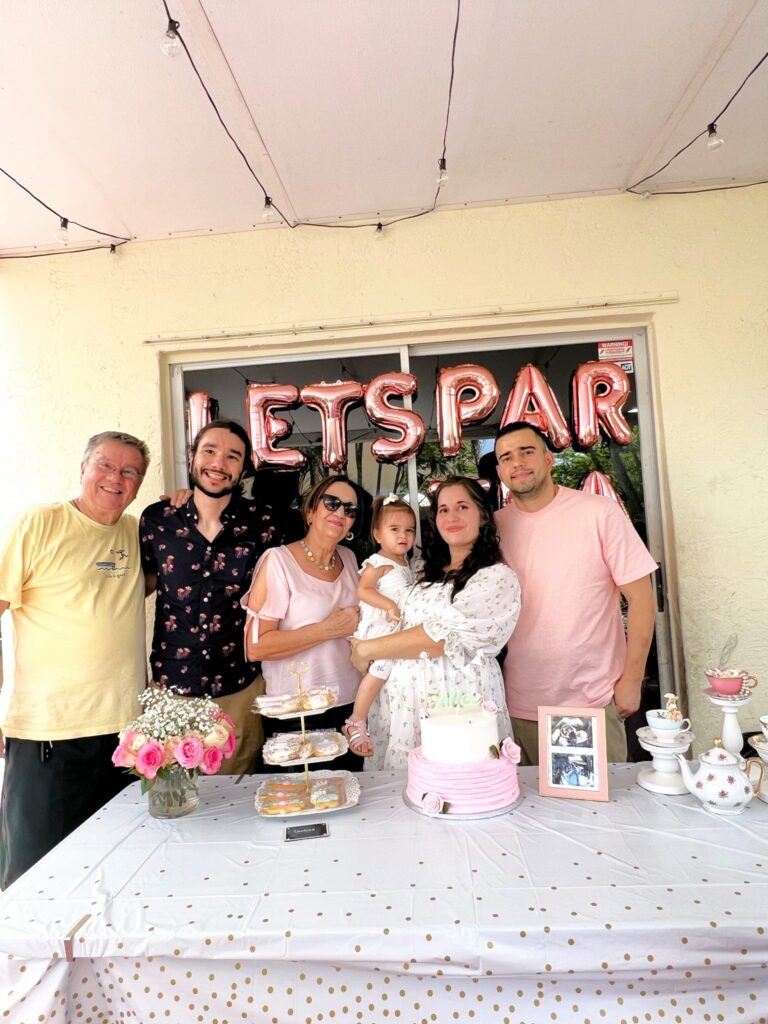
(720, 783)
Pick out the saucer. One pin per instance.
(729, 698)
(676, 739)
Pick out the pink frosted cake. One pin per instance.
(460, 767)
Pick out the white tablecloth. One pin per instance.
(644, 909)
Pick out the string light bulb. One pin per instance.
(171, 44)
(379, 230)
(62, 235)
(714, 141)
(270, 213)
(442, 177)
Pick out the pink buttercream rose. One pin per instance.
(510, 750)
(123, 757)
(149, 759)
(212, 758)
(431, 804)
(189, 752)
(491, 707)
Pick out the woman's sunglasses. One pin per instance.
(333, 504)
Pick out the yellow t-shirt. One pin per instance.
(76, 594)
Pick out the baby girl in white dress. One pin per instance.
(383, 577)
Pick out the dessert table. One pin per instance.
(643, 909)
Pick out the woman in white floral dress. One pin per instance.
(454, 622)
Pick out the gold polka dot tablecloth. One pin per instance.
(643, 909)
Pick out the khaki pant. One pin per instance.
(248, 729)
(527, 738)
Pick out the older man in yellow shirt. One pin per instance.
(70, 573)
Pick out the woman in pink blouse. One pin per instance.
(302, 607)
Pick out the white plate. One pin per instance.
(343, 748)
(351, 791)
(294, 714)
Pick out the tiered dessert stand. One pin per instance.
(344, 780)
(663, 774)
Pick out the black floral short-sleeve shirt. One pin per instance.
(197, 645)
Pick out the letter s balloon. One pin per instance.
(407, 423)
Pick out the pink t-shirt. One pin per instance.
(296, 599)
(571, 558)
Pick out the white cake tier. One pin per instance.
(458, 735)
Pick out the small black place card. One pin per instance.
(313, 831)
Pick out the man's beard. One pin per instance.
(200, 486)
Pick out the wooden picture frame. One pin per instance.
(572, 753)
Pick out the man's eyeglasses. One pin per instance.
(129, 473)
(333, 504)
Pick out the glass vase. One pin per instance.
(175, 795)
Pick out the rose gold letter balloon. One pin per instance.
(598, 483)
(265, 428)
(407, 423)
(198, 413)
(593, 408)
(333, 402)
(453, 411)
(531, 388)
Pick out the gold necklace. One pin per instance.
(313, 559)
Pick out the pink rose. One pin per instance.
(510, 750)
(212, 758)
(491, 707)
(170, 751)
(123, 757)
(133, 739)
(431, 804)
(189, 752)
(149, 759)
(222, 716)
(229, 747)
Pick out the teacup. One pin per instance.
(728, 682)
(666, 730)
(764, 725)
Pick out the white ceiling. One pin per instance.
(339, 106)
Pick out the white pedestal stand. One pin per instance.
(663, 774)
(730, 733)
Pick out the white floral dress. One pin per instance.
(475, 627)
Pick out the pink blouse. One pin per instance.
(296, 599)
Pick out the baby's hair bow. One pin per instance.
(390, 498)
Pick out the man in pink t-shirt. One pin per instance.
(573, 553)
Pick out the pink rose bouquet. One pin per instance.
(175, 734)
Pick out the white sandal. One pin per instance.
(355, 733)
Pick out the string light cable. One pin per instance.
(713, 139)
(269, 203)
(64, 223)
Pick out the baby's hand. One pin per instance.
(393, 613)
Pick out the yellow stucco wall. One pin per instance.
(73, 332)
